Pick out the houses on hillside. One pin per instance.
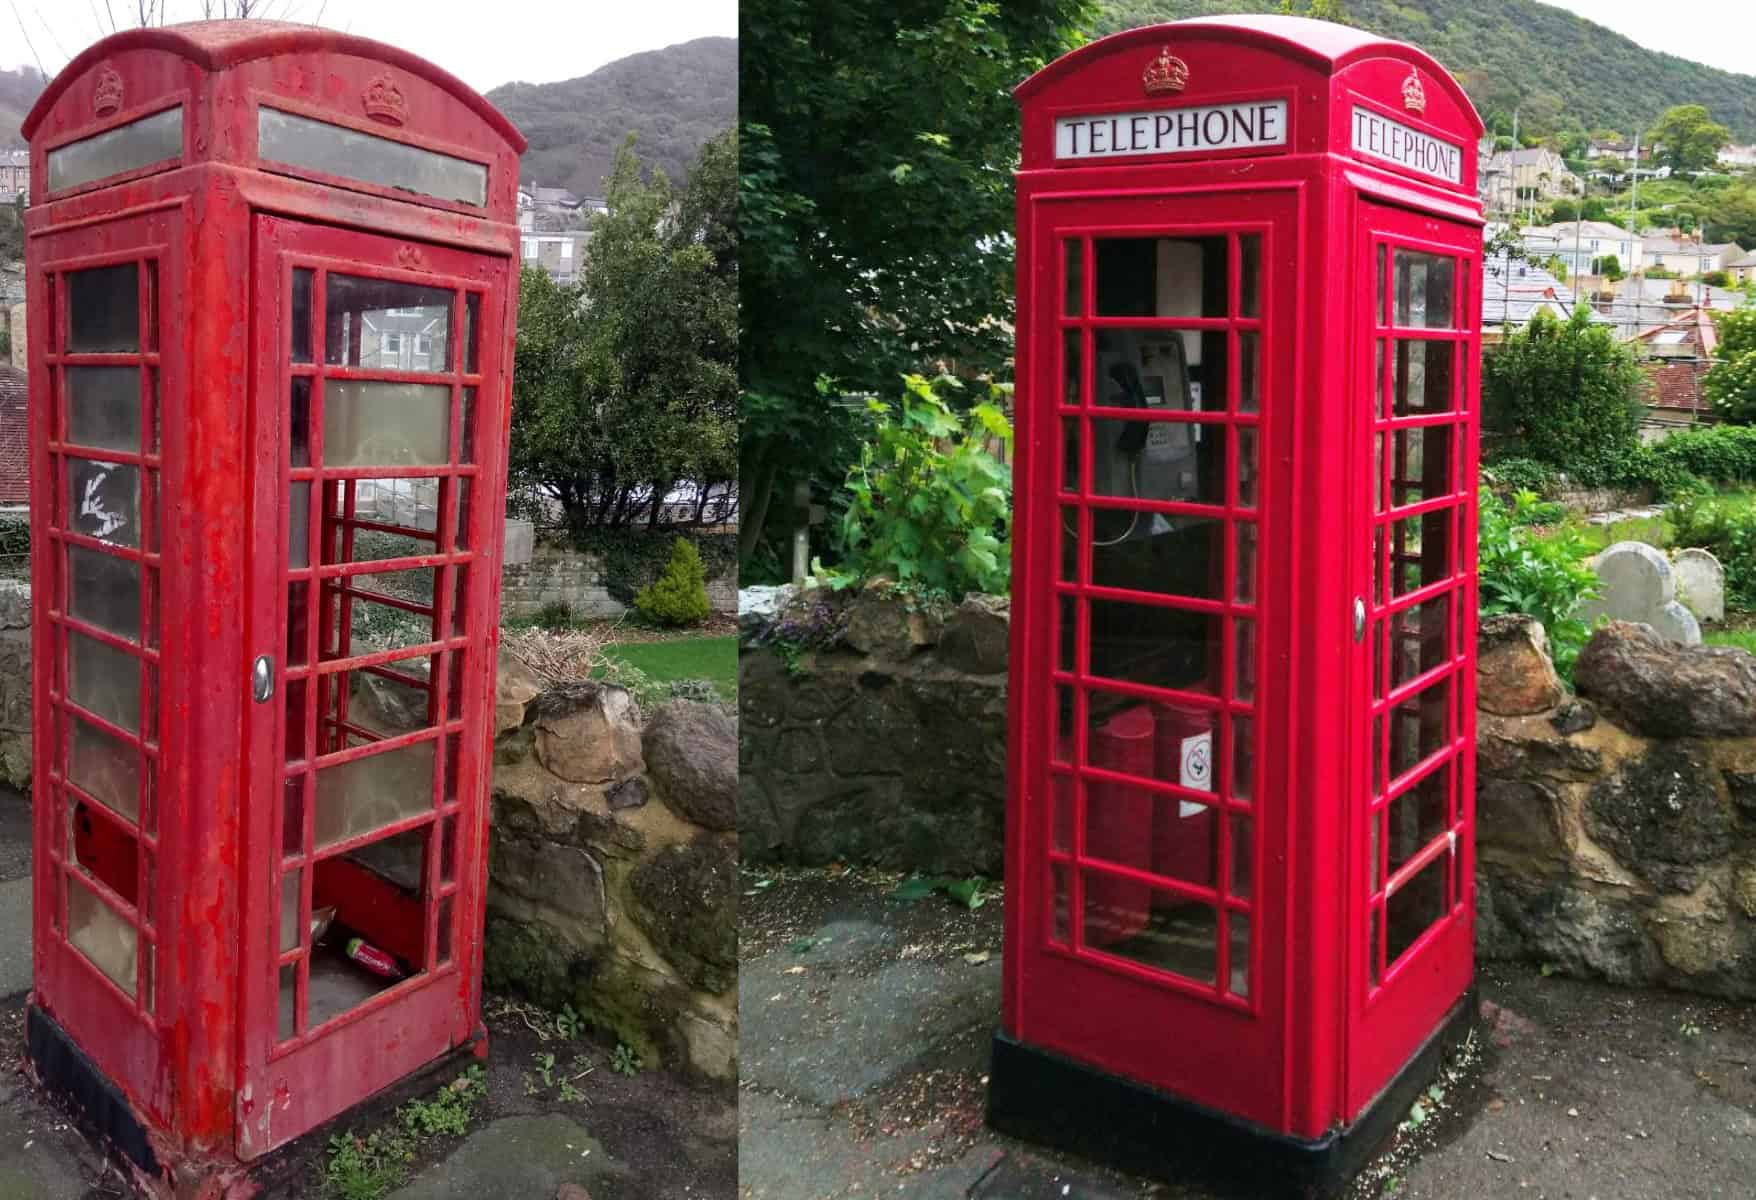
(1513, 291)
(553, 231)
(1685, 255)
(1511, 177)
(14, 175)
(1579, 244)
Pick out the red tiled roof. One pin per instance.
(14, 436)
(1676, 384)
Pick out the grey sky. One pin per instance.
(484, 44)
(1720, 33)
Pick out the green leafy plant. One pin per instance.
(931, 500)
(972, 893)
(625, 1061)
(679, 596)
(1729, 531)
(1730, 385)
(1543, 577)
(366, 1168)
(568, 1023)
(449, 1110)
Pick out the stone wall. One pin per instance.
(889, 748)
(559, 574)
(612, 873)
(1616, 830)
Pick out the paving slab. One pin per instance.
(866, 1072)
(515, 1157)
(15, 934)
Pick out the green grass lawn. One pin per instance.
(710, 658)
(1743, 639)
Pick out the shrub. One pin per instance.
(929, 500)
(1722, 454)
(1567, 393)
(679, 596)
(1519, 474)
(1542, 577)
(1729, 532)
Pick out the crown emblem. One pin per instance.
(106, 98)
(384, 102)
(1414, 96)
(1166, 73)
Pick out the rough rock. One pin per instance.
(883, 624)
(1661, 816)
(561, 887)
(1520, 819)
(588, 733)
(1574, 716)
(1529, 748)
(515, 686)
(691, 752)
(1579, 932)
(15, 691)
(977, 635)
(1514, 674)
(1661, 689)
(686, 902)
(630, 793)
(760, 607)
(386, 705)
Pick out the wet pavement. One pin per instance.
(866, 1023)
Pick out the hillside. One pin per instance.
(18, 91)
(1561, 70)
(675, 99)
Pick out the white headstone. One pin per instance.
(1701, 583)
(1636, 583)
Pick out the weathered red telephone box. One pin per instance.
(1241, 774)
(272, 281)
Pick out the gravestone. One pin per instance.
(1636, 583)
(1701, 584)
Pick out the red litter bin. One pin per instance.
(1118, 825)
(1183, 832)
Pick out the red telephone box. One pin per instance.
(272, 280)
(1241, 776)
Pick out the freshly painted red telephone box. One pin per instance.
(272, 281)
(1240, 818)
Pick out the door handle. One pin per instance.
(1359, 619)
(262, 679)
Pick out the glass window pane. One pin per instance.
(1379, 281)
(1073, 267)
(1153, 645)
(463, 514)
(1161, 277)
(1413, 908)
(1159, 460)
(103, 407)
(1072, 377)
(1426, 285)
(1244, 660)
(1070, 454)
(369, 793)
(105, 768)
(1421, 465)
(375, 323)
(299, 313)
(1420, 551)
(127, 147)
(472, 313)
(104, 590)
(106, 500)
(1418, 727)
(103, 312)
(1062, 904)
(1418, 816)
(1249, 286)
(1418, 639)
(288, 1000)
(1421, 378)
(103, 680)
(299, 524)
(103, 937)
(1245, 590)
(289, 910)
(379, 424)
(1152, 552)
(1249, 389)
(1243, 858)
(349, 154)
(299, 421)
(1247, 466)
(1240, 954)
(1243, 778)
(1180, 938)
(466, 427)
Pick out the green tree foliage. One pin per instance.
(1688, 138)
(626, 384)
(1730, 384)
(1566, 393)
(1563, 210)
(1608, 266)
(679, 596)
(931, 500)
(876, 211)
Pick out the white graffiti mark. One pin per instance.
(91, 505)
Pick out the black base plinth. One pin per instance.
(1042, 1097)
(67, 1072)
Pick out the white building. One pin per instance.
(1577, 243)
